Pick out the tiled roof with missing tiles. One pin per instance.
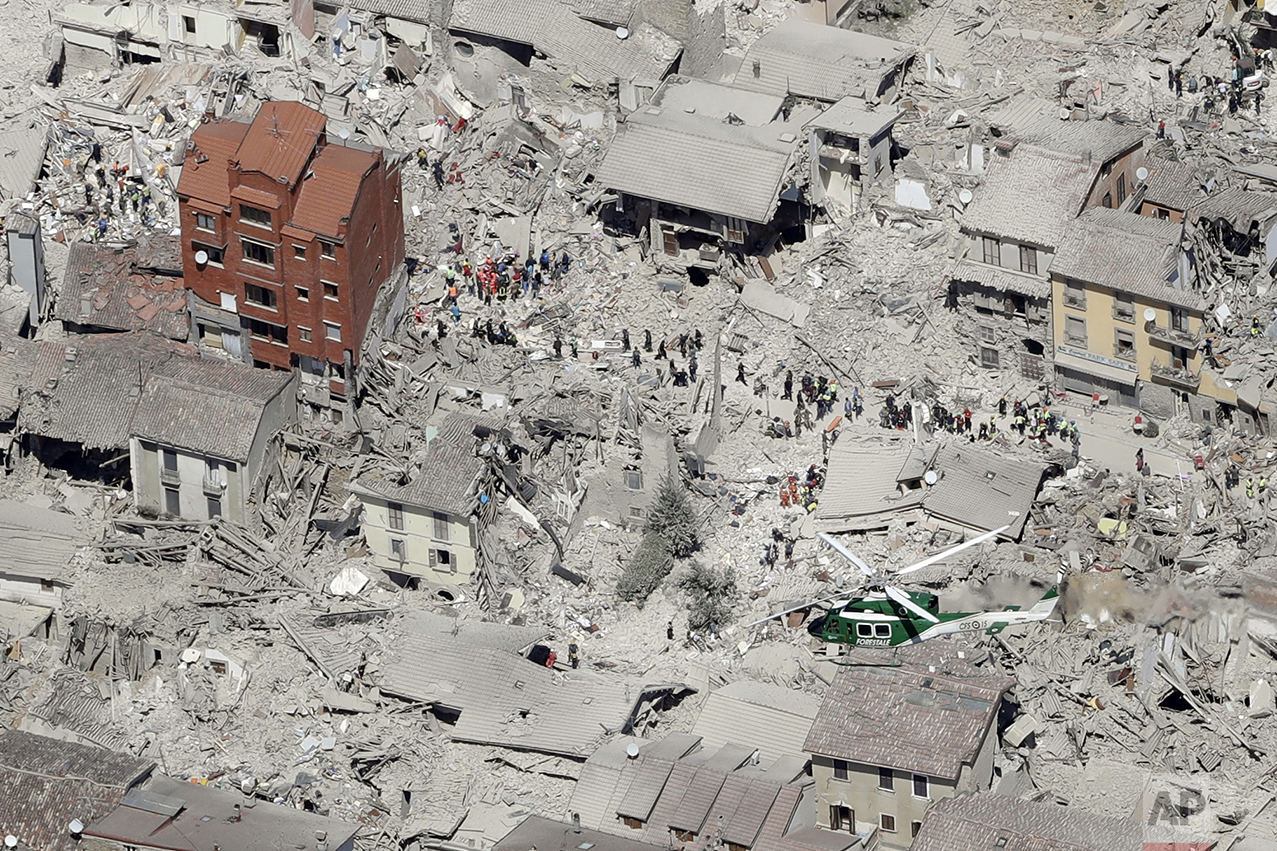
(209, 407)
(281, 140)
(208, 157)
(909, 718)
(1126, 252)
(1036, 121)
(1057, 183)
(46, 783)
(328, 197)
(85, 390)
(104, 288)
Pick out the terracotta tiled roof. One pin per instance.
(48, 782)
(281, 140)
(208, 157)
(330, 195)
(103, 288)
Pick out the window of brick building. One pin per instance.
(216, 255)
(254, 215)
(268, 331)
(256, 252)
(260, 296)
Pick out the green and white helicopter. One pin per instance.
(883, 615)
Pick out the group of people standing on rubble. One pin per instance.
(1217, 91)
(1036, 423)
(108, 188)
(795, 491)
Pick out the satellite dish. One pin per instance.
(930, 477)
(622, 33)
(965, 196)
(1141, 173)
(1150, 315)
(201, 257)
(76, 827)
(631, 750)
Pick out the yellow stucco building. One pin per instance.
(1126, 317)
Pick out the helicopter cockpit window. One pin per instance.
(864, 630)
(882, 630)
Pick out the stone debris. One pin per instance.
(409, 619)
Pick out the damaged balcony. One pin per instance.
(1180, 377)
(1172, 336)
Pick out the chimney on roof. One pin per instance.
(758, 68)
(238, 815)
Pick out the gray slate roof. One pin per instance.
(85, 390)
(1038, 123)
(862, 484)
(210, 407)
(1057, 184)
(504, 699)
(676, 783)
(1127, 252)
(48, 782)
(820, 62)
(37, 542)
(775, 719)
(981, 821)
(908, 718)
(553, 28)
(983, 490)
(851, 116)
(700, 163)
(445, 483)
(203, 824)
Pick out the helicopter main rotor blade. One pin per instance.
(849, 555)
(794, 609)
(904, 599)
(941, 556)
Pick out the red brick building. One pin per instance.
(286, 240)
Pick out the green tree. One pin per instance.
(672, 518)
(651, 563)
(711, 595)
